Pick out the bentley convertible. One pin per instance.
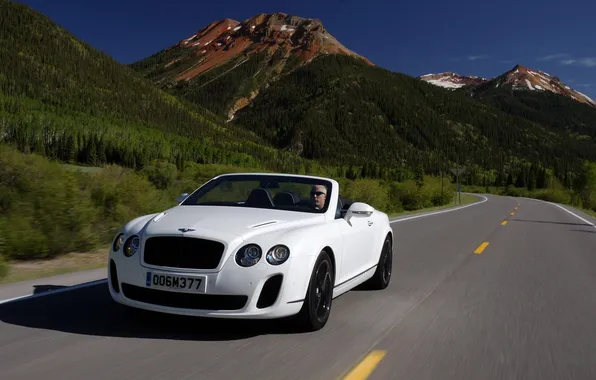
(252, 245)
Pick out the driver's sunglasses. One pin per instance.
(317, 193)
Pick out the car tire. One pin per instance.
(314, 315)
(382, 277)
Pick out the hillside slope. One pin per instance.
(226, 64)
(546, 108)
(65, 99)
(342, 110)
(539, 97)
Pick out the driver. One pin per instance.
(318, 195)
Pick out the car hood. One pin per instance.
(227, 223)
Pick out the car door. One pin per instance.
(356, 236)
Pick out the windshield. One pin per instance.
(264, 191)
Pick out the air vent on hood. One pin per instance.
(264, 223)
(158, 217)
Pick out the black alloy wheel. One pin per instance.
(382, 277)
(316, 309)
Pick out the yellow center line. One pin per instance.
(513, 213)
(481, 248)
(366, 366)
(516, 208)
(503, 222)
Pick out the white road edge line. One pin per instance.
(62, 290)
(97, 282)
(562, 208)
(442, 211)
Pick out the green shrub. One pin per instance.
(48, 210)
(3, 267)
(393, 197)
(369, 191)
(45, 212)
(554, 195)
(119, 195)
(3, 264)
(160, 173)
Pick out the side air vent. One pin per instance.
(270, 291)
(114, 276)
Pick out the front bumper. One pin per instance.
(258, 292)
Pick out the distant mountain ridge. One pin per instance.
(452, 80)
(516, 79)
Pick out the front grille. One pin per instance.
(184, 300)
(183, 252)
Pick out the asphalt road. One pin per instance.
(524, 307)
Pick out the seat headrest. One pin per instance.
(259, 198)
(286, 198)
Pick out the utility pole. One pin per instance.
(441, 184)
(457, 172)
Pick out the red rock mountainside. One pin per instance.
(223, 40)
(283, 42)
(518, 78)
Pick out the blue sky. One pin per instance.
(414, 37)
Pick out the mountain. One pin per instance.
(519, 78)
(452, 80)
(341, 110)
(66, 100)
(534, 95)
(523, 78)
(63, 98)
(225, 65)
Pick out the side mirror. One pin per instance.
(359, 209)
(181, 197)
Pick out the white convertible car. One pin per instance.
(252, 245)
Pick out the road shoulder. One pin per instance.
(44, 285)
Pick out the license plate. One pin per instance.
(175, 282)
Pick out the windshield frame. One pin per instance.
(191, 200)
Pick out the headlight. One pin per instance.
(248, 255)
(278, 255)
(118, 242)
(131, 246)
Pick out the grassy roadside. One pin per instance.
(465, 199)
(588, 212)
(68, 263)
(80, 261)
(53, 215)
